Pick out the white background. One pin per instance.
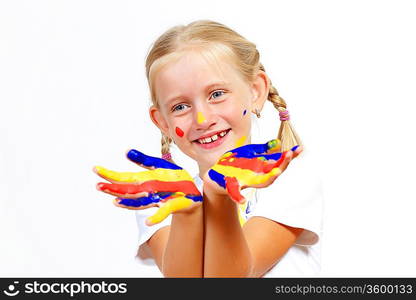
(73, 94)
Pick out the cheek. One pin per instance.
(180, 128)
(179, 132)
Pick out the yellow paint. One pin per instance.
(240, 141)
(244, 176)
(156, 174)
(274, 145)
(232, 159)
(241, 212)
(201, 118)
(169, 207)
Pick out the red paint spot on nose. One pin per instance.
(179, 132)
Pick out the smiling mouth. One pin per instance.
(212, 138)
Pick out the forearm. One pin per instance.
(183, 255)
(226, 253)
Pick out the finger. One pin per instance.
(258, 164)
(122, 190)
(170, 206)
(266, 157)
(113, 176)
(253, 150)
(132, 206)
(279, 160)
(142, 202)
(150, 162)
(297, 150)
(246, 177)
(278, 167)
(156, 174)
(217, 177)
(195, 198)
(234, 190)
(275, 172)
(284, 162)
(274, 146)
(141, 190)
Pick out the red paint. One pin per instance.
(252, 164)
(152, 186)
(233, 188)
(276, 164)
(179, 132)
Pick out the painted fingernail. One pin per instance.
(100, 186)
(99, 169)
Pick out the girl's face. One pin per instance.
(205, 108)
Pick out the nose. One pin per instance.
(204, 117)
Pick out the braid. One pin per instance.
(287, 135)
(165, 141)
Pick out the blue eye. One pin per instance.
(218, 93)
(179, 107)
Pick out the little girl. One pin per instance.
(244, 214)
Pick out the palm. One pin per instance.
(254, 165)
(164, 185)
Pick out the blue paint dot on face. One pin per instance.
(244, 112)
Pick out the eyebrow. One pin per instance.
(207, 88)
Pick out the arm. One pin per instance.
(268, 242)
(235, 251)
(178, 248)
(231, 250)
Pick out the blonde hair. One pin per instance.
(213, 39)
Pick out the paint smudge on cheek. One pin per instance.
(179, 132)
(200, 118)
(240, 141)
(244, 112)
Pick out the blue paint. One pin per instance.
(154, 198)
(143, 201)
(217, 177)
(251, 150)
(194, 198)
(150, 161)
(274, 156)
(294, 148)
(244, 112)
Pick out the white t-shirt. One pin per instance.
(294, 199)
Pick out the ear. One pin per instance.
(260, 89)
(159, 120)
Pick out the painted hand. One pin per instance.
(254, 165)
(164, 185)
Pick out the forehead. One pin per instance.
(192, 72)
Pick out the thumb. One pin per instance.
(170, 206)
(234, 189)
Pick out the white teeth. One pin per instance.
(212, 138)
